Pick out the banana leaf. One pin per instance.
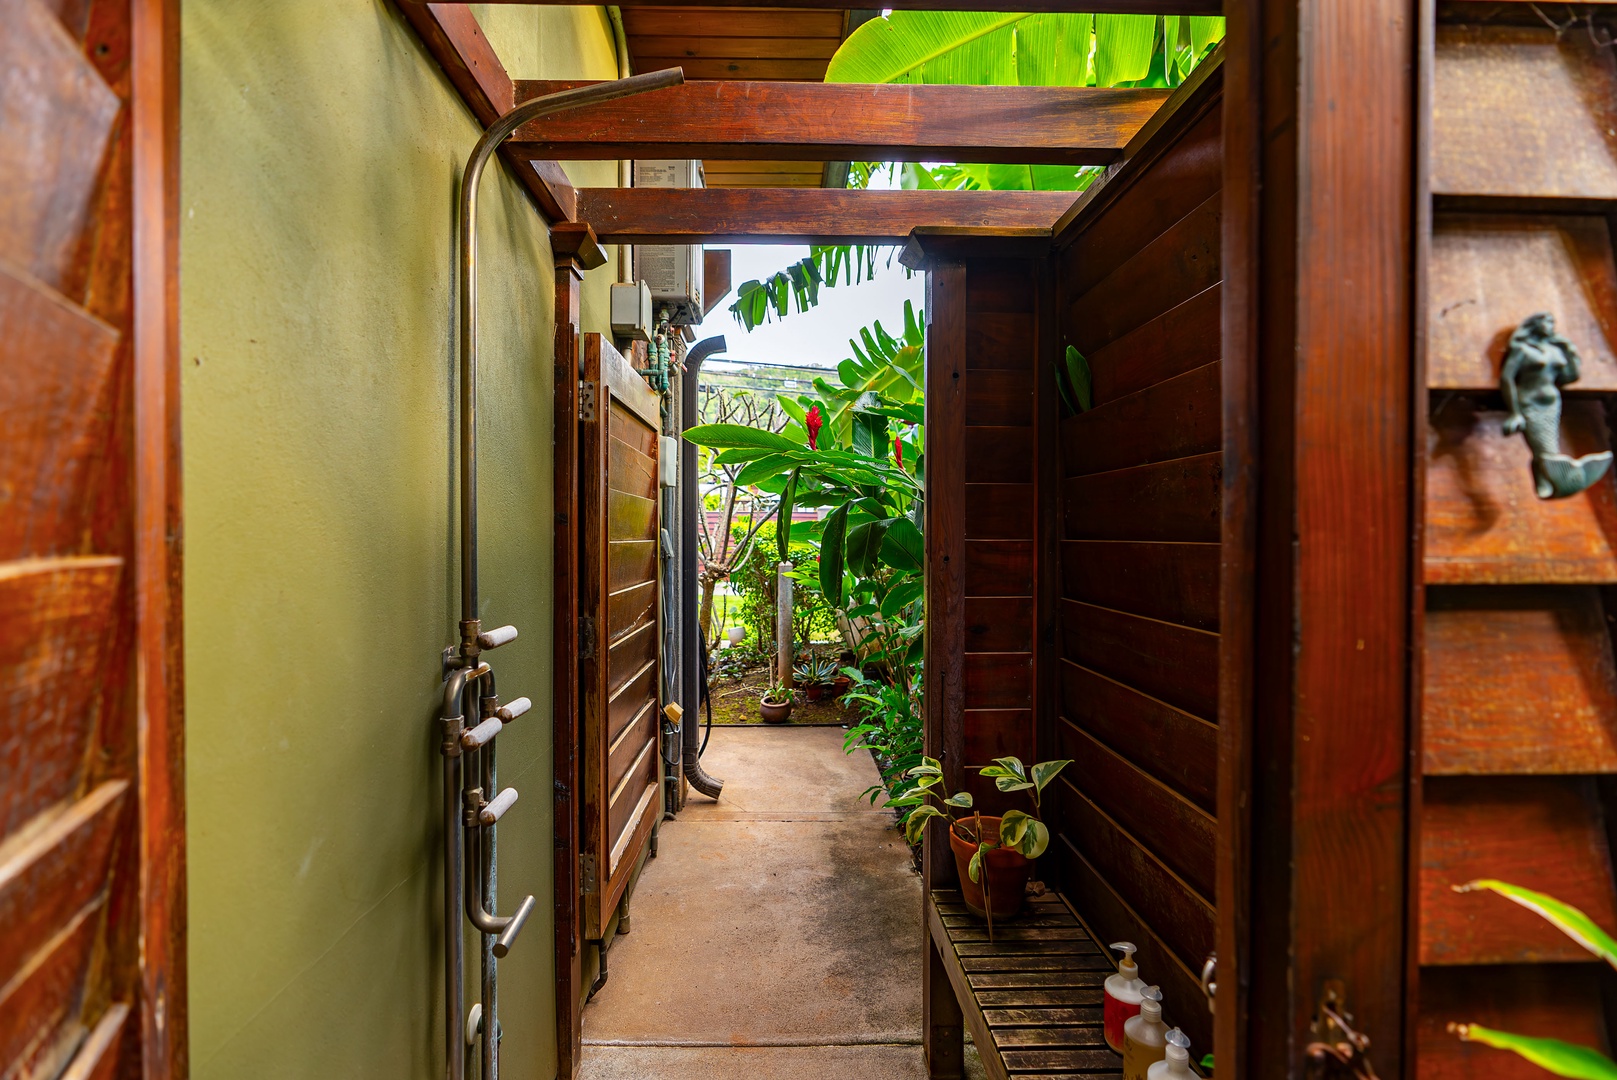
(1552, 1055)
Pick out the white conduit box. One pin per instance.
(673, 272)
(668, 461)
(631, 311)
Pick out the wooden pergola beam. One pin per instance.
(805, 215)
(1104, 7)
(451, 34)
(800, 121)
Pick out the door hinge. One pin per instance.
(589, 874)
(586, 637)
(586, 401)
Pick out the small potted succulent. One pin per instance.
(993, 854)
(776, 704)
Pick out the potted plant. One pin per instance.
(993, 854)
(776, 704)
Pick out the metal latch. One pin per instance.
(589, 874)
(1336, 1051)
(586, 637)
(586, 400)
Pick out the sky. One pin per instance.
(819, 336)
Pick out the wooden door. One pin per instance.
(619, 670)
(91, 837)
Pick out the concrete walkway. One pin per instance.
(777, 933)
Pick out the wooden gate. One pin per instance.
(619, 673)
(91, 833)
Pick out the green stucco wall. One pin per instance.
(321, 150)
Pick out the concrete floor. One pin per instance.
(777, 933)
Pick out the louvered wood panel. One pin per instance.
(620, 678)
(1559, 1001)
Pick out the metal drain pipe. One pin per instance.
(472, 717)
(691, 743)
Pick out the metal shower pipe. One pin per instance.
(469, 818)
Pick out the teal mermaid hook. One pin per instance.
(1538, 362)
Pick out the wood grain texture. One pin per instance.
(1178, 418)
(804, 215)
(1563, 1001)
(1172, 663)
(1485, 524)
(1518, 680)
(97, 1057)
(56, 116)
(57, 391)
(996, 511)
(1175, 583)
(999, 455)
(53, 869)
(1159, 818)
(996, 398)
(998, 680)
(994, 733)
(52, 674)
(1168, 270)
(1552, 99)
(1488, 272)
(1171, 745)
(1545, 833)
(998, 568)
(39, 1006)
(999, 339)
(999, 624)
(1181, 339)
(1172, 501)
(730, 118)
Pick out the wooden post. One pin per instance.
(783, 623)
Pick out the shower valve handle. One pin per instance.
(508, 936)
(510, 712)
(482, 733)
(500, 635)
(500, 804)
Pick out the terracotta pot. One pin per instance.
(1007, 871)
(816, 691)
(839, 685)
(776, 714)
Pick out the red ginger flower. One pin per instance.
(814, 423)
(898, 450)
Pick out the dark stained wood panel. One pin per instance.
(678, 49)
(1166, 272)
(55, 872)
(59, 360)
(632, 431)
(1488, 272)
(629, 517)
(1174, 419)
(1485, 524)
(97, 1057)
(631, 471)
(628, 699)
(56, 116)
(1543, 833)
(1561, 1001)
(999, 455)
(1172, 663)
(1181, 339)
(994, 733)
(630, 562)
(626, 749)
(51, 669)
(999, 511)
(628, 656)
(998, 624)
(743, 22)
(1159, 818)
(1518, 680)
(998, 680)
(999, 398)
(999, 339)
(999, 568)
(1170, 744)
(1187, 174)
(630, 608)
(39, 1008)
(999, 286)
(1175, 583)
(1173, 501)
(1551, 98)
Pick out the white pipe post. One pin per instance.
(783, 622)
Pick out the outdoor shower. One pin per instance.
(471, 718)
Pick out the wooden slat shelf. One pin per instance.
(1032, 999)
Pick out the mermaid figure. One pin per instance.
(1538, 362)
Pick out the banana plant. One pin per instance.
(1552, 1055)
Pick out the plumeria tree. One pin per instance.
(724, 544)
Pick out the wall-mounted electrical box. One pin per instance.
(674, 273)
(668, 461)
(631, 311)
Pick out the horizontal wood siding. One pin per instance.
(1136, 694)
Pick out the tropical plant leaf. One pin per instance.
(863, 545)
(1563, 916)
(1124, 48)
(962, 799)
(917, 820)
(724, 436)
(1205, 30)
(783, 523)
(1045, 771)
(900, 597)
(1013, 765)
(1012, 827)
(760, 469)
(832, 537)
(1036, 840)
(1561, 1058)
(793, 409)
(1078, 377)
(902, 547)
(1011, 783)
(974, 869)
(959, 47)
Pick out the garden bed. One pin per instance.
(735, 703)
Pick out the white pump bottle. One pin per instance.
(1122, 1000)
(1144, 1036)
(1176, 1064)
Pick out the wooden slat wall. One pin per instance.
(1137, 292)
(1519, 708)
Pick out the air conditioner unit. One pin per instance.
(674, 273)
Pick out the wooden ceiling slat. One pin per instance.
(721, 167)
(765, 70)
(731, 22)
(805, 215)
(746, 120)
(733, 48)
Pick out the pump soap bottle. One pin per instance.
(1122, 996)
(1176, 1065)
(1144, 1036)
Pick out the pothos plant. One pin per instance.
(1021, 832)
